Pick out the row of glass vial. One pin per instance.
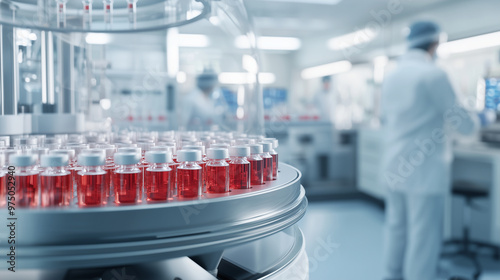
(126, 175)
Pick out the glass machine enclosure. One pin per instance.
(74, 66)
(68, 67)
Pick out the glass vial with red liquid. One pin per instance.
(202, 162)
(109, 167)
(274, 154)
(70, 168)
(91, 180)
(158, 176)
(127, 178)
(268, 161)
(3, 182)
(239, 167)
(189, 180)
(256, 164)
(217, 171)
(222, 146)
(143, 164)
(55, 181)
(173, 164)
(25, 179)
(108, 11)
(132, 10)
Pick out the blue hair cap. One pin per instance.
(423, 32)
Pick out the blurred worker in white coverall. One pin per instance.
(199, 108)
(419, 111)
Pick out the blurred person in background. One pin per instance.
(419, 112)
(324, 100)
(200, 110)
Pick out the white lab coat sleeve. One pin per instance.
(444, 97)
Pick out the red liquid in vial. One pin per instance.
(56, 190)
(158, 185)
(3, 191)
(268, 168)
(256, 172)
(217, 179)
(91, 189)
(275, 166)
(189, 182)
(26, 190)
(239, 176)
(127, 187)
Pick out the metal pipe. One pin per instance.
(9, 71)
(66, 96)
(47, 60)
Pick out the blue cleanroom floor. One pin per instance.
(344, 241)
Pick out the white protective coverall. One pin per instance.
(199, 111)
(419, 113)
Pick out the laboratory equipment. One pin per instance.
(239, 167)
(217, 171)
(91, 180)
(127, 178)
(274, 154)
(98, 78)
(267, 160)
(189, 174)
(256, 164)
(158, 176)
(56, 182)
(25, 178)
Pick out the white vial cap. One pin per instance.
(125, 145)
(217, 153)
(192, 147)
(6, 140)
(91, 159)
(158, 157)
(2, 160)
(8, 153)
(127, 158)
(266, 147)
(78, 147)
(219, 145)
(189, 155)
(239, 151)
(54, 160)
(245, 141)
(145, 146)
(168, 149)
(130, 150)
(256, 149)
(94, 151)
(22, 160)
(271, 140)
(69, 152)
